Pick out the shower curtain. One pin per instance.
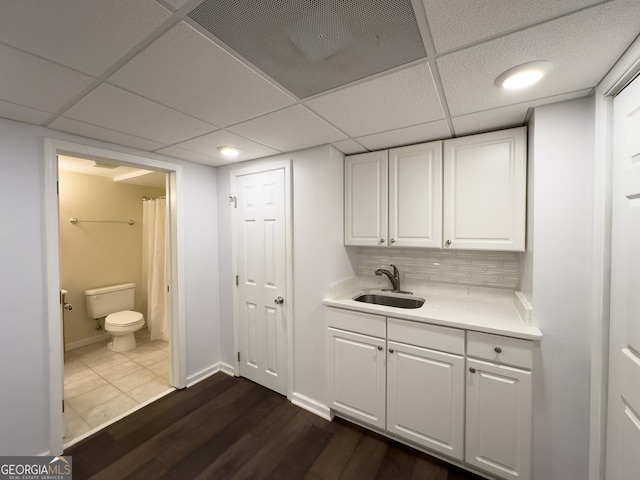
(154, 268)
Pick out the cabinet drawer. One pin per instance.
(357, 322)
(499, 349)
(434, 337)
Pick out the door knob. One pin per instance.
(279, 301)
(68, 306)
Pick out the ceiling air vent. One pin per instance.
(310, 46)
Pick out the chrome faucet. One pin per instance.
(394, 278)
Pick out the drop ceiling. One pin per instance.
(280, 76)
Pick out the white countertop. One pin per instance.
(489, 310)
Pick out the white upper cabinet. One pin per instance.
(394, 198)
(485, 191)
(365, 199)
(467, 193)
(415, 196)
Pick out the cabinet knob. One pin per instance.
(391, 350)
(472, 370)
(393, 240)
(497, 350)
(447, 243)
(380, 347)
(381, 240)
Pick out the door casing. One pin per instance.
(627, 67)
(177, 375)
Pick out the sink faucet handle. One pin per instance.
(396, 272)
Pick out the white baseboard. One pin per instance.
(311, 405)
(228, 369)
(202, 374)
(87, 341)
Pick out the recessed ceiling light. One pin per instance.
(523, 75)
(229, 152)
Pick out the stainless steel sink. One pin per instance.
(390, 300)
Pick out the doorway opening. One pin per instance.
(112, 232)
(94, 381)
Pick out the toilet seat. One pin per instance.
(126, 318)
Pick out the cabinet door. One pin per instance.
(415, 196)
(365, 199)
(357, 376)
(425, 401)
(485, 191)
(498, 434)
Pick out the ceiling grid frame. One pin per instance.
(378, 125)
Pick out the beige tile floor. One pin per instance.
(100, 385)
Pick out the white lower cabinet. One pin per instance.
(356, 357)
(498, 427)
(357, 364)
(408, 379)
(425, 397)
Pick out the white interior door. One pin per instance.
(623, 431)
(260, 233)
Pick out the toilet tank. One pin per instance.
(114, 298)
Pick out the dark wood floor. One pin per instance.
(230, 428)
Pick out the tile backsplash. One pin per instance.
(462, 267)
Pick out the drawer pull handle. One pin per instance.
(472, 370)
(497, 350)
(391, 350)
(379, 347)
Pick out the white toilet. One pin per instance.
(115, 303)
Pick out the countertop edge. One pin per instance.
(523, 331)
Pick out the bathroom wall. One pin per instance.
(97, 254)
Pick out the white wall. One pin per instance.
(560, 274)
(319, 258)
(24, 401)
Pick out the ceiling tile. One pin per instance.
(580, 46)
(399, 99)
(104, 134)
(290, 129)
(406, 136)
(88, 35)
(177, 3)
(111, 107)
(315, 46)
(36, 83)
(185, 70)
(503, 117)
(191, 156)
(487, 120)
(349, 147)
(22, 114)
(208, 145)
(460, 22)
